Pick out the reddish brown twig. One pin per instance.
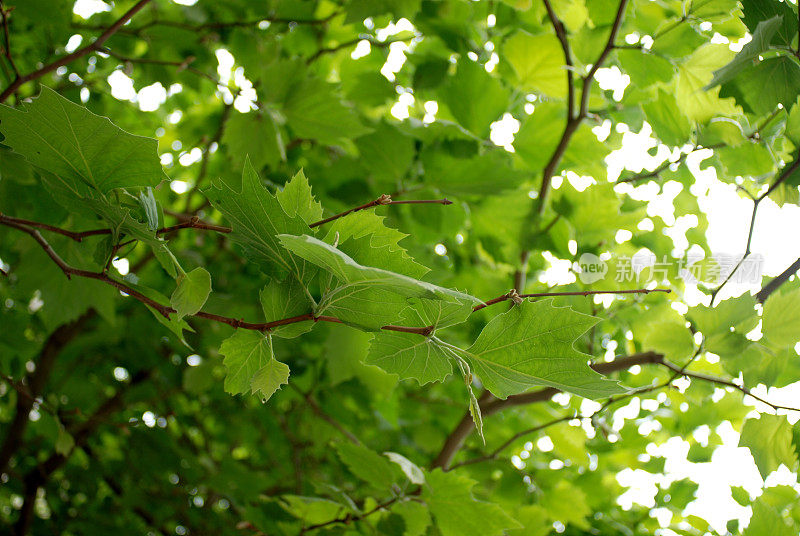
(96, 45)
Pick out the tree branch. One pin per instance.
(36, 382)
(96, 45)
(571, 126)
(772, 286)
(490, 405)
(781, 178)
(385, 199)
(39, 475)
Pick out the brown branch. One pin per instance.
(573, 122)
(319, 412)
(96, 45)
(69, 270)
(681, 371)
(561, 34)
(382, 200)
(7, 47)
(36, 382)
(782, 176)
(772, 286)
(212, 25)
(511, 295)
(39, 475)
(184, 65)
(201, 174)
(490, 405)
(193, 222)
(503, 446)
(349, 518)
(373, 42)
(263, 326)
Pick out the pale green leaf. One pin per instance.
(365, 223)
(456, 511)
(409, 468)
(669, 123)
(246, 352)
(781, 318)
(539, 62)
(192, 292)
(314, 111)
(532, 344)
(475, 97)
(269, 379)
(297, 200)
(367, 465)
(254, 135)
(365, 296)
(769, 439)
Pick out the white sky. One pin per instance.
(728, 215)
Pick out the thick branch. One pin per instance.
(39, 476)
(36, 383)
(773, 285)
(491, 405)
(96, 45)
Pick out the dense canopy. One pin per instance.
(396, 267)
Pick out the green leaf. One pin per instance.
(363, 292)
(767, 521)
(693, 75)
(286, 299)
(737, 313)
(409, 468)
(781, 318)
(314, 111)
(387, 153)
(269, 379)
(192, 292)
(257, 218)
(384, 250)
(645, 69)
(749, 53)
(85, 151)
(532, 344)
(367, 465)
(769, 439)
(425, 359)
(254, 135)
(64, 442)
(250, 364)
(763, 86)
(475, 97)
(758, 11)
(298, 201)
(456, 511)
(486, 173)
(538, 61)
(670, 125)
(416, 517)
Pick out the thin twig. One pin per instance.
(96, 45)
(382, 200)
(7, 48)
